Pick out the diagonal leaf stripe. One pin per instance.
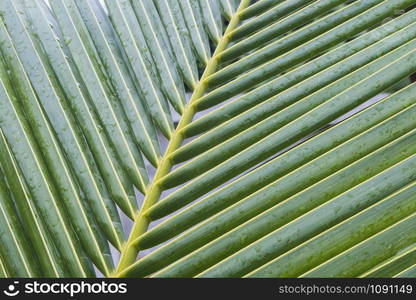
(169, 77)
(109, 111)
(139, 58)
(245, 209)
(68, 189)
(312, 48)
(280, 139)
(110, 169)
(361, 226)
(103, 37)
(275, 13)
(34, 169)
(3, 271)
(394, 266)
(387, 113)
(383, 244)
(408, 273)
(212, 18)
(20, 260)
(40, 238)
(287, 104)
(94, 189)
(296, 76)
(258, 8)
(337, 209)
(174, 23)
(199, 36)
(346, 79)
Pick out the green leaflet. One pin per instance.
(408, 273)
(31, 221)
(212, 19)
(96, 192)
(14, 244)
(310, 49)
(108, 109)
(355, 229)
(229, 7)
(399, 263)
(44, 86)
(38, 179)
(285, 136)
(284, 107)
(296, 76)
(124, 20)
(173, 20)
(192, 15)
(276, 30)
(106, 46)
(159, 47)
(297, 231)
(307, 34)
(288, 185)
(383, 245)
(88, 122)
(387, 113)
(257, 8)
(3, 271)
(273, 14)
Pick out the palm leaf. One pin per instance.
(242, 138)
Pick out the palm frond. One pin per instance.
(242, 138)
